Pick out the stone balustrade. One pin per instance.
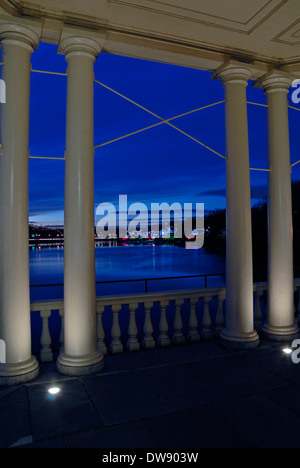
(131, 323)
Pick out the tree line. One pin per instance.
(215, 239)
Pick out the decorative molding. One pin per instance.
(24, 32)
(290, 35)
(234, 72)
(262, 15)
(275, 81)
(165, 7)
(80, 41)
(137, 39)
(12, 7)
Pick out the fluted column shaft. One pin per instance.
(281, 321)
(17, 46)
(80, 352)
(239, 328)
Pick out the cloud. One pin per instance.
(212, 193)
(258, 192)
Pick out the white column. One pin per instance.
(17, 46)
(281, 321)
(239, 326)
(80, 349)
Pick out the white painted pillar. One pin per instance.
(17, 46)
(281, 323)
(239, 327)
(80, 348)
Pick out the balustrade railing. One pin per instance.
(145, 321)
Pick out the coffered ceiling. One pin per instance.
(200, 33)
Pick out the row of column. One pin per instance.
(239, 329)
(81, 355)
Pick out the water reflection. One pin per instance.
(115, 263)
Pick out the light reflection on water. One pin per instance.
(123, 263)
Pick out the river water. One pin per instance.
(127, 263)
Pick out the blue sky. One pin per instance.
(157, 165)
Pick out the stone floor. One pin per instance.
(193, 396)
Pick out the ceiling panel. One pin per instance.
(256, 30)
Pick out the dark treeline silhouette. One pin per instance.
(215, 240)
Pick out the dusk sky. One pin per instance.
(157, 165)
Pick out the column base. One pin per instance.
(237, 341)
(16, 374)
(280, 334)
(80, 365)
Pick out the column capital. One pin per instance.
(275, 81)
(81, 42)
(234, 72)
(22, 33)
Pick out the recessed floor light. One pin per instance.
(54, 390)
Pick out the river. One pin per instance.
(127, 263)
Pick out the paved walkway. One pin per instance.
(184, 397)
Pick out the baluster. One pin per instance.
(116, 345)
(148, 341)
(62, 331)
(193, 334)
(220, 323)
(178, 337)
(206, 333)
(163, 339)
(46, 352)
(100, 331)
(132, 343)
(257, 310)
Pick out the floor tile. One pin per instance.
(275, 362)
(196, 428)
(239, 376)
(287, 397)
(132, 435)
(68, 412)
(121, 398)
(265, 423)
(14, 417)
(182, 387)
(183, 397)
(49, 443)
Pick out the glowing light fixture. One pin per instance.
(54, 390)
(287, 351)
